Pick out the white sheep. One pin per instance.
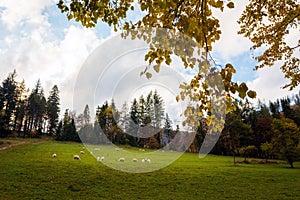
(121, 159)
(97, 149)
(117, 149)
(100, 159)
(144, 160)
(76, 157)
(135, 160)
(81, 152)
(54, 155)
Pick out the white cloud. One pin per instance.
(17, 12)
(231, 44)
(269, 83)
(54, 62)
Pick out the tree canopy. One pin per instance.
(266, 23)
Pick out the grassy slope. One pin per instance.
(29, 172)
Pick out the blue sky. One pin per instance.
(40, 43)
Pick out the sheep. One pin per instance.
(135, 160)
(146, 160)
(97, 149)
(76, 157)
(117, 149)
(83, 148)
(54, 155)
(121, 159)
(81, 152)
(100, 159)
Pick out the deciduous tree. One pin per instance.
(285, 143)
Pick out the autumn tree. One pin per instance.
(268, 24)
(262, 127)
(179, 20)
(285, 143)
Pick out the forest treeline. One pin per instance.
(262, 131)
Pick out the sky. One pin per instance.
(40, 43)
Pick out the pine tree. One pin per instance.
(133, 124)
(274, 108)
(142, 111)
(158, 108)
(20, 114)
(8, 100)
(66, 130)
(36, 110)
(86, 115)
(53, 110)
(167, 131)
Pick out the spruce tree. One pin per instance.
(53, 110)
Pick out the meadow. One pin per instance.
(29, 172)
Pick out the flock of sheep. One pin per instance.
(101, 159)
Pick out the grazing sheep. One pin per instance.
(100, 159)
(146, 160)
(83, 148)
(135, 160)
(76, 157)
(54, 155)
(121, 159)
(96, 149)
(81, 152)
(117, 149)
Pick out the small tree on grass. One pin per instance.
(248, 151)
(285, 143)
(266, 150)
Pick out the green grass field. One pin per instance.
(29, 172)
